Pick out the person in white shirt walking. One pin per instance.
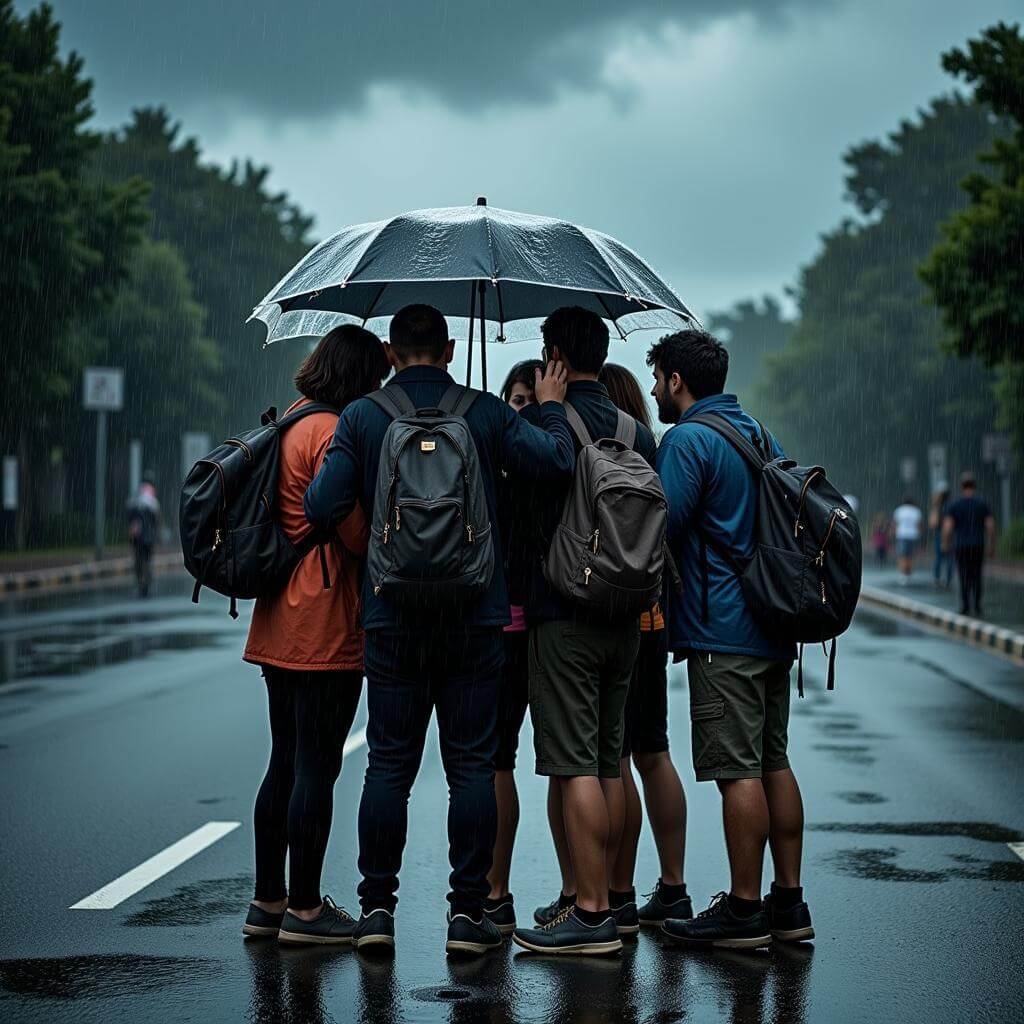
(907, 523)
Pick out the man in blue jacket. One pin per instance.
(416, 661)
(738, 675)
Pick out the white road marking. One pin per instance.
(156, 867)
(354, 742)
(1018, 848)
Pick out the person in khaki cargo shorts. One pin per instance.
(738, 675)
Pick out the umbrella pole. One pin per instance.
(483, 335)
(472, 324)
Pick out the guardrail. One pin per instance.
(997, 638)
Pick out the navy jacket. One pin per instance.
(707, 482)
(503, 438)
(542, 510)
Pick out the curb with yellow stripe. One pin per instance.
(35, 580)
(997, 638)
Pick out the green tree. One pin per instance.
(65, 240)
(864, 381)
(751, 332)
(238, 238)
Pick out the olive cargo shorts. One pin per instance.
(739, 712)
(579, 681)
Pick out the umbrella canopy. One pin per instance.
(480, 262)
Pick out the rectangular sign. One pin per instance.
(10, 483)
(103, 388)
(194, 446)
(995, 447)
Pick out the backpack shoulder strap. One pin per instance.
(309, 409)
(578, 426)
(457, 400)
(394, 400)
(766, 441)
(750, 452)
(625, 430)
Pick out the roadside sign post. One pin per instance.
(194, 445)
(998, 448)
(102, 392)
(10, 483)
(938, 472)
(134, 467)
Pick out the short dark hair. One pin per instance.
(346, 364)
(522, 373)
(699, 358)
(581, 336)
(418, 332)
(624, 390)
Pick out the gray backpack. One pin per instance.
(430, 540)
(608, 552)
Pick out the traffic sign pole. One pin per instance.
(102, 392)
(101, 481)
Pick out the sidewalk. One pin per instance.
(1002, 628)
(69, 569)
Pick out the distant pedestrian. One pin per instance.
(144, 531)
(880, 539)
(943, 570)
(431, 646)
(739, 674)
(309, 644)
(969, 531)
(518, 392)
(907, 524)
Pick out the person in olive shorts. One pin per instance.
(738, 675)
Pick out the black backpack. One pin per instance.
(430, 540)
(803, 581)
(230, 538)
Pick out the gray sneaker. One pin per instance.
(375, 930)
(261, 924)
(566, 933)
(474, 937)
(331, 927)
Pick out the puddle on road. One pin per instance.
(100, 976)
(197, 903)
(860, 797)
(847, 754)
(879, 865)
(985, 831)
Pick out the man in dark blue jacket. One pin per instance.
(579, 673)
(419, 660)
(738, 675)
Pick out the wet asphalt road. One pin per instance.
(125, 726)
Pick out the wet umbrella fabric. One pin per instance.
(479, 262)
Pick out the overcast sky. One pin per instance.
(706, 134)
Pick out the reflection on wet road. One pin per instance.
(125, 726)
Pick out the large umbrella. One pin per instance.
(479, 262)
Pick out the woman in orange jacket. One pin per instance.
(309, 644)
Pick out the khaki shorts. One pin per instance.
(579, 681)
(739, 712)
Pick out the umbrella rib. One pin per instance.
(604, 306)
(373, 304)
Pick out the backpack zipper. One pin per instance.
(238, 443)
(803, 498)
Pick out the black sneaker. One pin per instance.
(502, 915)
(788, 924)
(566, 933)
(468, 936)
(626, 919)
(719, 926)
(331, 927)
(545, 915)
(261, 923)
(376, 929)
(657, 909)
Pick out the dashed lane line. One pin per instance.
(157, 866)
(1018, 848)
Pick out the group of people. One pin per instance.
(963, 531)
(596, 689)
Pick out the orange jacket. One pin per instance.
(305, 627)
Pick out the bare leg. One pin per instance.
(585, 810)
(786, 833)
(623, 862)
(507, 799)
(666, 809)
(745, 815)
(556, 819)
(615, 801)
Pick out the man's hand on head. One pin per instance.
(551, 386)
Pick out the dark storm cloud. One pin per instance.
(319, 56)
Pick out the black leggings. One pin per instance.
(310, 716)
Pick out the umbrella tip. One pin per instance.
(481, 200)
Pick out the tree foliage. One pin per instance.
(976, 272)
(864, 381)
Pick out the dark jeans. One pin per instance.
(969, 562)
(409, 673)
(310, 716)
(143, 567)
